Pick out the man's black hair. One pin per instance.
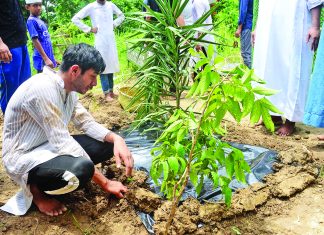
(84, 55)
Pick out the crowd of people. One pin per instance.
(42, 156)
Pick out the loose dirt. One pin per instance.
(290, 201)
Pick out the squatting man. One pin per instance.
(38, 151)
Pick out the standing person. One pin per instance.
(14, 58)
(283, 57)
(244, 30)
(201, 7)
(101, 14)
(43, 50)
(314, 111)
(38, 151)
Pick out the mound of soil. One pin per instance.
(290, 201)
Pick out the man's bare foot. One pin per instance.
(46, 205)
(108, 97)
(320, 137)
(286, 129)
(277, 121)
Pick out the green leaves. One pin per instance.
(264, 91)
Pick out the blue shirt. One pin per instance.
(38, 29)
(246, 14)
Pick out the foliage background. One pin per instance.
(58, 14)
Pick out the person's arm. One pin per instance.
(242, 17)
(83, 121)
(5, 54)
(109, 186)
(314, 31)
(120, 16)
(77, 20)
(41, 51)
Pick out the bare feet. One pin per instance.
(46, 205)
(277, 121)
(320, 137)
(110, 96)
(286, 129)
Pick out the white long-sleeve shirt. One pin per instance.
(36, 130)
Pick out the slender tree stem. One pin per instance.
(186, 173)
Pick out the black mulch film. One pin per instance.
(260, 160)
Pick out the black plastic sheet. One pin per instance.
(259, 159)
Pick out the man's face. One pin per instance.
(102, 2)
(35, 9)
(81, 83)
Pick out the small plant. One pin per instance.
(188, 149)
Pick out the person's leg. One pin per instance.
(12, 75)
(286, 129)
(105, 85)
(246, 47)
(111, 85)
(97, 151)
(58, 176)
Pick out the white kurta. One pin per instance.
(187, 13)
(201, 7)
(36, 130)
(281, 55)
(102, 17)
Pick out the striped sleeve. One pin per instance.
(83, 120)
(41, 106)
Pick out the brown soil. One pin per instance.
(290, 201)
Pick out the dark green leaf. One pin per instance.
(174, 164)
(256, 112)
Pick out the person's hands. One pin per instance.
(313, 37)
(49, 63)
(5, 54)
(115, 187)
(122, 153)
(253, 38)
(94, 30)
(238, 33)
(198, 48)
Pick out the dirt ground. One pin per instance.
(290, 201)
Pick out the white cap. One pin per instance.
(33, 1)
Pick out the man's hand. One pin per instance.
(5, 54)
(198, 48)
(107, 185)
(121, 152)
(253, 38)
(94, 30)
(115, 187)
(313, 37)
(238, 33)
(49, 63)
